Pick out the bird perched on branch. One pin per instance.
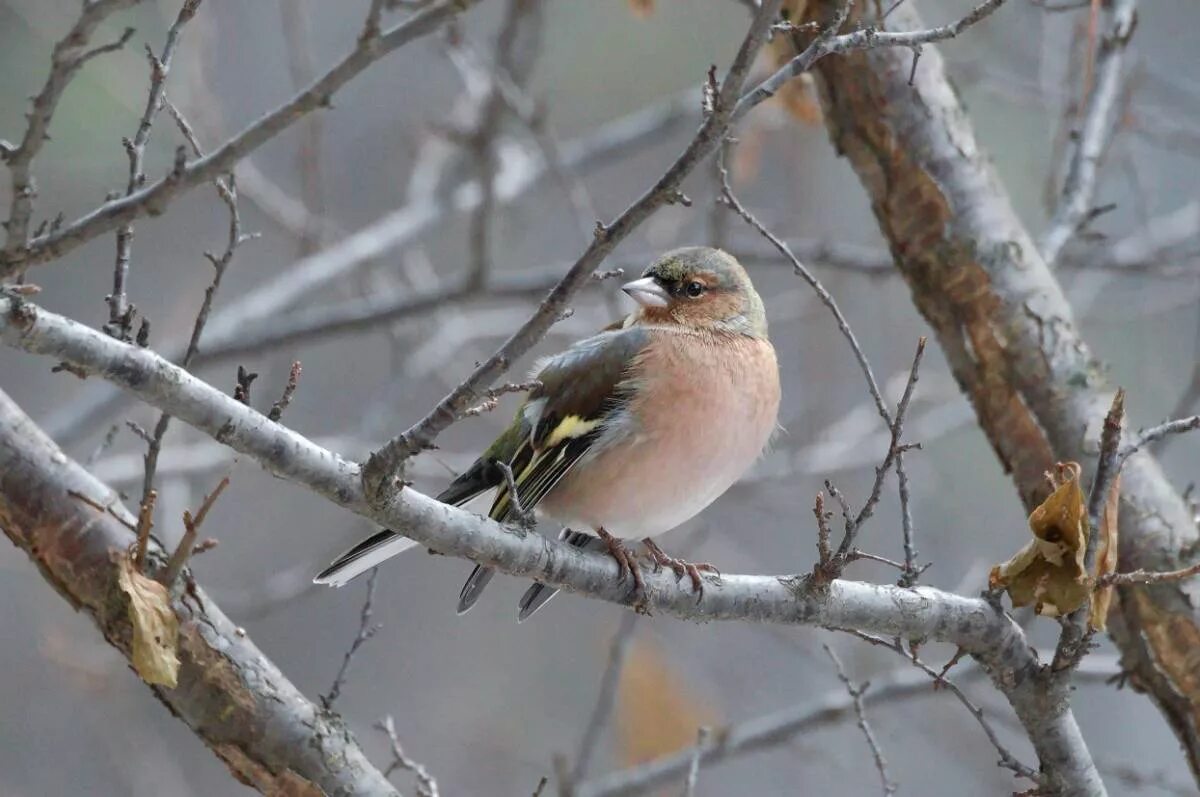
(633, 431)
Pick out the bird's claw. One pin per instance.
(626, 563)
(681, 567)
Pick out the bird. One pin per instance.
(631, 432)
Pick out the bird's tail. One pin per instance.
(362, 557)
(539, 594)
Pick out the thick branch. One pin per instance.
(920, 613)
(1008, 332)
(231, 696)
(154, 198)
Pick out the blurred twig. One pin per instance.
(1075, 205)
(120, 311)
(155, 197)
(69, 55)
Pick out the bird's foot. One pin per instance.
(626, 563)
(681, 568)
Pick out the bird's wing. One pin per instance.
(557, 423)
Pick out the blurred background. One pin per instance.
(484, 703)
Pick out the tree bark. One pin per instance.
(1009, 334)
(230, 695)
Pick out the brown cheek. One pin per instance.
(712, 307)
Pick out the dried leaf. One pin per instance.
(1106, 556)
(1049, 572)
(655, 714)
(155, 627)
(642, 9)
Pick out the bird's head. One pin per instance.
(701, 287)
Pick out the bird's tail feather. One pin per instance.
(362, 557)
(538, 595)
(473, 588)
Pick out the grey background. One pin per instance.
(485, 703)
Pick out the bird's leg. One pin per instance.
(680, 566)
(626, 562)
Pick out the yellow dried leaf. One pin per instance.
(155, 627)
(655, 714)
(1048, 571)
(642, 9)
(1106, 556)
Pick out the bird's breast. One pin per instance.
(701, 414)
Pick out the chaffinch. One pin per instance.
(633, 431)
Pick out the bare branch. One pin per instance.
(1075, 204)
(120, 311)
(426, 785)
(1163, 431)
(856, 693)
(829, 43)
(1149, 577)
(289, 390)
(259, 725)
(187, 544)
(68, 57)
(762, 733)
(365, 632)
(1007, 759)
(154, 198)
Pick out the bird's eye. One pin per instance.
(694, 289)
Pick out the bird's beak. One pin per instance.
(647, 292)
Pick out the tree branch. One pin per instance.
(69, 56)
(1008, 333)
(154, 199)
(1075, 205)
(230, 695)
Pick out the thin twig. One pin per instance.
(187, 544)
(426, 785)
(227, 191)
(895, 449)
(856, 693)
(828, 43)
(1163, 431)
(154, 198)
(104, 445)
(525, 518)
(365, 632)
(1074, 640)
(1075, 204)
(120, 311)
(1149, 576)
(68, 57)
(911, 570)
(289, 390)
(297, 34)
(144, 525)
(1007, 759)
